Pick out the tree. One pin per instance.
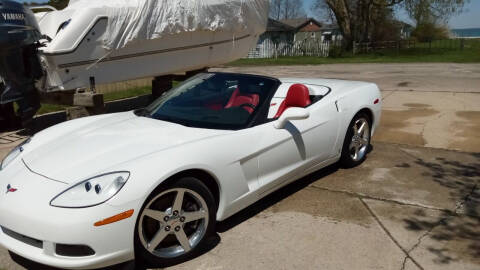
(276, 9)
(432, 10)
(384, 26)
(429, 31)
(431, 18)
(286, 9)
(356, 17)
(353, 17)
(293, 9)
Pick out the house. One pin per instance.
(278, 32)
(292, 30)
(311, 29)
(331, 32)
(280, 36)
(405, 29)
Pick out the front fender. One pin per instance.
(150, 171)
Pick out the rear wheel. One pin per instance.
(175, 223)
(357, 141)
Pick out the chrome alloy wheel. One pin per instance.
(173, 223)
(360, 139)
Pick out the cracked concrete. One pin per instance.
(436, 239)
(440, 222)
(419, 241)
(389, 234)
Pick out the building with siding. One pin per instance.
(311, 29)
(291, 36)
(278, 32)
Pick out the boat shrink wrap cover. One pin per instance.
(136, 20)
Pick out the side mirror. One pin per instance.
(291, 114)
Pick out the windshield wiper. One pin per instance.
(142, 112)
(171, 120)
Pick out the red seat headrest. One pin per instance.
(297, 96)
(238, 99)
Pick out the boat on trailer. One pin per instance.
(112, 40)
(109, 41)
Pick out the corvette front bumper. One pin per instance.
(33, 229)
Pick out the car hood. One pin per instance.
(80, 149)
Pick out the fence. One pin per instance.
(445, 44)
(269, 49)
(319, 48)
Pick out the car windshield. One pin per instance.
(214, 100)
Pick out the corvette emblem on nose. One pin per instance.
(10, 189)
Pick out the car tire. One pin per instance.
(357, 142)
(197, 200)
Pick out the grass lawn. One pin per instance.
(48, 108)
(127, 93)
(134, 92)
(407, 56)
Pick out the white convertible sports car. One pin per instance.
(151, 184)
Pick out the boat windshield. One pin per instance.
(214, 100)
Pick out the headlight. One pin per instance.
(13, 155)
(91, 192)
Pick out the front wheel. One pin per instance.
(357, 141)
(174, 223)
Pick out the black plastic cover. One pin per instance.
(18, 26)
(74, 250)
(19, 62)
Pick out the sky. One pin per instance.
(467, 19)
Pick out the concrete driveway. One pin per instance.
(409, 206)
(405, 208)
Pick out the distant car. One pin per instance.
(151, 184)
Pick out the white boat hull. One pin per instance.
(173, 54)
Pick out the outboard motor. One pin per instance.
(20, 66)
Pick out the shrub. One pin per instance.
(429, 31)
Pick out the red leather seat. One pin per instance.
(238, 99)
(297, 96)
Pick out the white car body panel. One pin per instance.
(246, 164)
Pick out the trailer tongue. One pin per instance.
(19, 63)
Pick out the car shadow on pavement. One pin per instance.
(274, 198)
(278, 196)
